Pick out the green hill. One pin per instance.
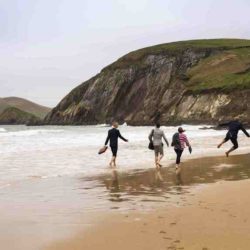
(14, 115)
(227, 69)
(25, 105)
(137, 56)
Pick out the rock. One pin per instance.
(202, 81)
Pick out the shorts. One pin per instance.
(233, 140)
(114, 151)
(158, 150)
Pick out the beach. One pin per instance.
(217, 218)
(213, 217)
(53, 196)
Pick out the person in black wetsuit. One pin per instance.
(232, 134)
(113, 135)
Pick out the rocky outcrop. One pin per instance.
(172, 83)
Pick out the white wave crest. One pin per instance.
(33, 132)
(2, 129)
(102, 125)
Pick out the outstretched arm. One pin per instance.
(224, 124)
(119, 134)
(244, 131)
(165, 139)
(107, 140)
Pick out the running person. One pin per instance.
(113, 135)
(232, 134)
(155, 137)
(179, 142)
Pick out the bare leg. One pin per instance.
(159, 159)
(111, 162)
(114, 160)
(219, 145)
(156, 161)
(230, 150)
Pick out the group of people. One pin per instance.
(179, 141)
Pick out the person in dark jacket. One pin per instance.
(232, 134)
(112, 138)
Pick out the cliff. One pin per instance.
(200, 81)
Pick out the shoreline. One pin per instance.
(207, 221)
(207, 218)
(61, 211)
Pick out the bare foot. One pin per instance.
(227, 154)
(219, 146)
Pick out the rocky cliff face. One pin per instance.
(202, 81)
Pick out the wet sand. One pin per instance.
(207, 207)
(217, 218)
(207, 216)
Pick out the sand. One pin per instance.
(216, 216)
(207, 207)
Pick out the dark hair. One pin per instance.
(157, 125)
(181, 130)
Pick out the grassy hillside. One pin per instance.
(14, 115)
(25, 105)
(175, 47)
(225, 71)
(3, 105)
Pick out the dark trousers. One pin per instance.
(114, 150)
(178, 152)
(233, 139)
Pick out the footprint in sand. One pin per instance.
(162, 232)
(173, 223)
(167, 238)
(172, 247)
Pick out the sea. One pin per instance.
(28, 152)
(53, 182)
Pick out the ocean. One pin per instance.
(56, 151)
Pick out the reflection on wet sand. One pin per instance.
(139, 187)
(113, 187)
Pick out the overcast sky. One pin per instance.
(48, 47)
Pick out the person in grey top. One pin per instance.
(156, 136)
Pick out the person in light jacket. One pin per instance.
(155, 137)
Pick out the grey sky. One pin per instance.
(48, 47)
